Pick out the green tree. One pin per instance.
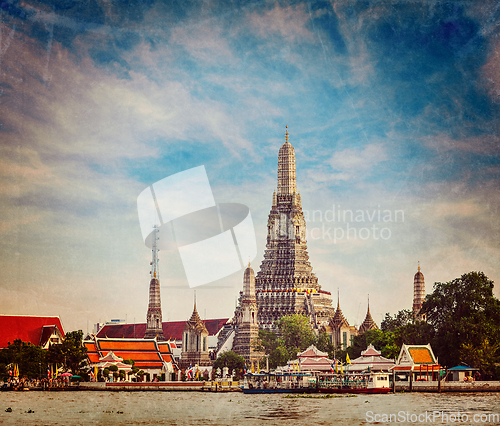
(71, 352)
(234, 362)
(465, 317)
(31, 359)
(297, 333)
(324, 343)
(382, 341)
(401, 319)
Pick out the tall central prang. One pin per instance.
(285, 283)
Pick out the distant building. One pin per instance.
(172, 331)
(195, 343)
(417, 361)
(368, 323)
(341, 332)
(153, 357)
(41, 331)
(153, 318)
(418, 295)
(246, 318)
(371, 360)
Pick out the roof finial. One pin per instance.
(195, 300)
(338, 298)
(419, 266)
(286, 133)
(368, 302)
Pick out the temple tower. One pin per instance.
(247, 326)
(368, 323)
(342, 332)
(194, 342)
(154, 326)
(285, 283)
(418, 294)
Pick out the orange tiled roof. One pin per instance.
(421, 355)
(130, 345)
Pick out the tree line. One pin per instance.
(35, 362)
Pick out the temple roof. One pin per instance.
(339, 319)
(195, 323)
(368, 323)
(171, 329)
(32, 329)
(312, 352)
(146, 353)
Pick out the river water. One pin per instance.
(234, 408)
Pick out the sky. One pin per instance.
(392, 107)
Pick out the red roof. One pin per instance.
(25, 327)
(171, 330)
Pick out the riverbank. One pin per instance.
(434, 386)
(216, 386)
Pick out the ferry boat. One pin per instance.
(354, 383)
(284, 382)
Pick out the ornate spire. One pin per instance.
(287, 177)
(154, 327)
(418, 293)
(368, 323)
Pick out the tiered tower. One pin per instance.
(154, 326)
(342, 332)
(195, 342)
(418, 294)
(368, 323)
(285, 283)
(247, 326)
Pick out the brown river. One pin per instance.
(205, 408)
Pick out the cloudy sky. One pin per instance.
(392, 107)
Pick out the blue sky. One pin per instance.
(391, 106)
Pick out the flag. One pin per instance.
(48, 372)
(197, 372)
(96, 371)
(190, 372)
(245, 368)
(57, 372)
(16, 371)
(336, 366)
(332, 368)
(10, 369)
(253, 369)
(258, 367)
(341, 368)
(298, 365)
(51, 372)
(347, 360)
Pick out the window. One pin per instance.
(344, 339)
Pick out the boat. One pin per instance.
(364, 383)
(282, 382)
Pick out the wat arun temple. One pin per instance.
(285, 283)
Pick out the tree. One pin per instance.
(31, 359)
(295, 334)
(465, 317)
(234, 362)
(324, 343)
(71, 352)
(402, 318)
(382, 341)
